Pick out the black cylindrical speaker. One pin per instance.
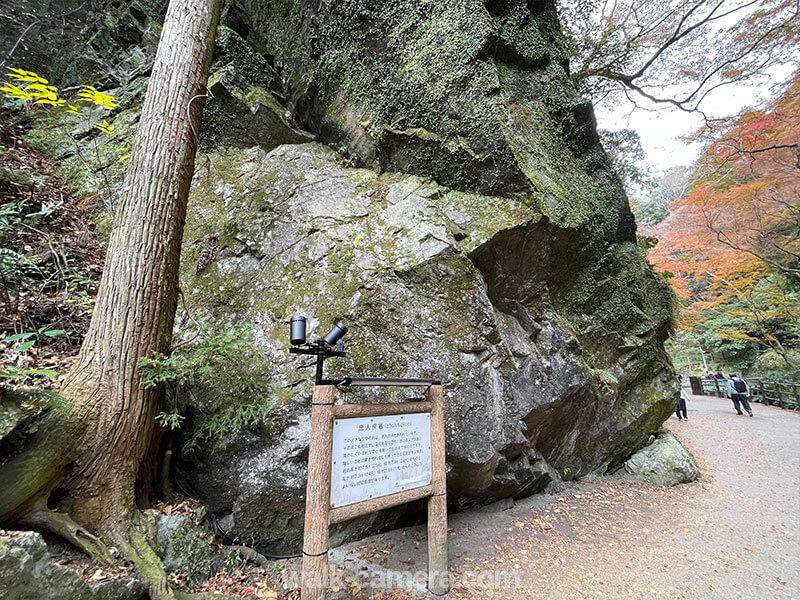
(297, 330)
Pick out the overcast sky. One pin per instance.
(661, 130)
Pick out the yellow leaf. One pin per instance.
(23, 75)
(357, 240)
(105, 127)
(91, 94)
(45, 94)
(41, 87)
(15, 92)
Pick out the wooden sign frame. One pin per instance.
(319, 513)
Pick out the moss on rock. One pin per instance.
(469, 287)
(183, 547)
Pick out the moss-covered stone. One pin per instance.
(461, 286)
(664, 462)
(27, 573)
(183, 547)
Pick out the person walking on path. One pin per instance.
(739, 392)
(721, 383)
(682, 406)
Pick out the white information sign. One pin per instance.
(378, 456)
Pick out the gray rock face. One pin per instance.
(473, 93)
(241, 110)
(434, 282)
(519, 283)
(72, 42)
(181, 548)
(26, 573)
(664, 462)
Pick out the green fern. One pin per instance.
(227, 376)
(606, 376)
(14, 266)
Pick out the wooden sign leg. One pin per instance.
(438, 575)
(318, 495)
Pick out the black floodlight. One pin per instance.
(332, 345)
(327, 347)
(297, 330)
(335, 334)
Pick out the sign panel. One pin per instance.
(378, 456)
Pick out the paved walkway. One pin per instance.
(733, 534)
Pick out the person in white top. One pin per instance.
(684, 397)
(739, 392)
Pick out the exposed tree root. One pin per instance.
(138, 549)
(62, 524)
(135, 546)
(27, 482)
(130, 539)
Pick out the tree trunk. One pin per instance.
(93, 466)
(135, 307)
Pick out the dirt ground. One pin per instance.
(733, 534)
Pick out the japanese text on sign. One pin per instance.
(378, 456)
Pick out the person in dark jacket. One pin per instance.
(721, 382)
(739, 392)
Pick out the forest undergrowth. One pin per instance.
(50, 266)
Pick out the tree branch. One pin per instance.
(723, 238)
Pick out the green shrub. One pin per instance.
(227, 376)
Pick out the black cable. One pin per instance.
(269, 556)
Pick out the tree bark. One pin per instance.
(101, 444)
(135, 307)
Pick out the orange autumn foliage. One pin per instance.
(736, 234)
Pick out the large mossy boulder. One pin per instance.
(486, 242)
(552, 369)
(485, 239)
